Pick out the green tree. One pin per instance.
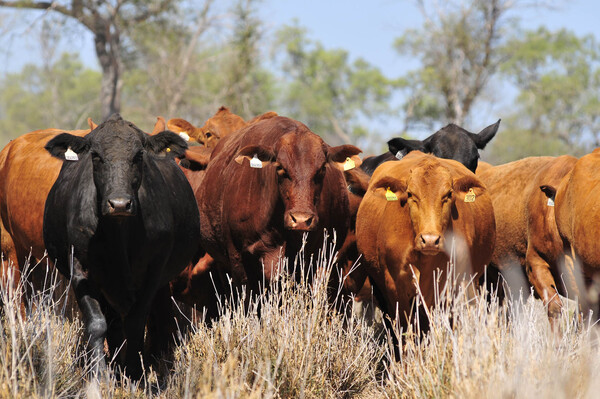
(334, 96)
(61, 95)
(248, 85)
(458, 49)
(557, 109)
(110, 22)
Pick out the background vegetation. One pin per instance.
(179, 58)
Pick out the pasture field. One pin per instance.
(300, 348)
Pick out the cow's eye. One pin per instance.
(208, 135)
(281, 171)
(409, 194)
(447, 196)
(96, 157)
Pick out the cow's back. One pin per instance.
(509, 186)
(27, 172)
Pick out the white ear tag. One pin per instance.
(184, 136)
(255, 162)
(71, 155)
(551, 201)
(399, 155)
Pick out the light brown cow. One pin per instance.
(578, 220)
(220, 125)
(526, 233)
(408, 237)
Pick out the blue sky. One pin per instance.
(364, 28)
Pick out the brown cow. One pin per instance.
(220, 125)
(578, 222)
(252, 214)
(411, 210)
(526, 233)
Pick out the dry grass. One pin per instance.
(300, 347)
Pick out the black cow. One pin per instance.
(450, 142)
(128, 216)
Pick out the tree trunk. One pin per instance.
(109, 55)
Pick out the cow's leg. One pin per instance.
(11, 272)
(162, 327)
(540, 276)
(93, 317)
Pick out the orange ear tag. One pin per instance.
(255, 162)
(349, 164)
(470, 196)
(390, 196)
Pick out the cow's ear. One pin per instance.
(357, 180)
(67, 146)
(549, 191)
(183, 128)
(463, 186)
(344, 157)
(91, 124)
(166, 144)
(160, 126)
(401, 147)
(391, 189)
(482, 138)
(196, 158)
(250, 152)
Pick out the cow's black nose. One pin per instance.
(119, 205)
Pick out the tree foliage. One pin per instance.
(557, 108)
(61, 95)
(323, 88)
(458, 50)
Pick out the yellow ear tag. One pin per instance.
(390, 196)
(349, 164)
(168, 149)
(470, 196)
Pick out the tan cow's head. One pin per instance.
(430, 192)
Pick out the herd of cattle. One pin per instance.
(133, 218)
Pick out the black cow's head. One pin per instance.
(116, 151)
(450, 142)
(301, 163)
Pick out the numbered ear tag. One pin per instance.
(399, 155)
(551, 201)
(349, 164)
(470, 196)
(255, 162)
(184, 136)
(390, 196)
(71, 155)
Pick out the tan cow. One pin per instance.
(526, 233)
(411, 211)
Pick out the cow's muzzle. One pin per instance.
(430, 244)
(301, 221)
(120, 206)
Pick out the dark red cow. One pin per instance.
(249, 215)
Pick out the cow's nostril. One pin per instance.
(423, 240)
(293, 218)
(309, 221)
(437, 242)
(118, 205)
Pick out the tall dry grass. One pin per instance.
(301, 347)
